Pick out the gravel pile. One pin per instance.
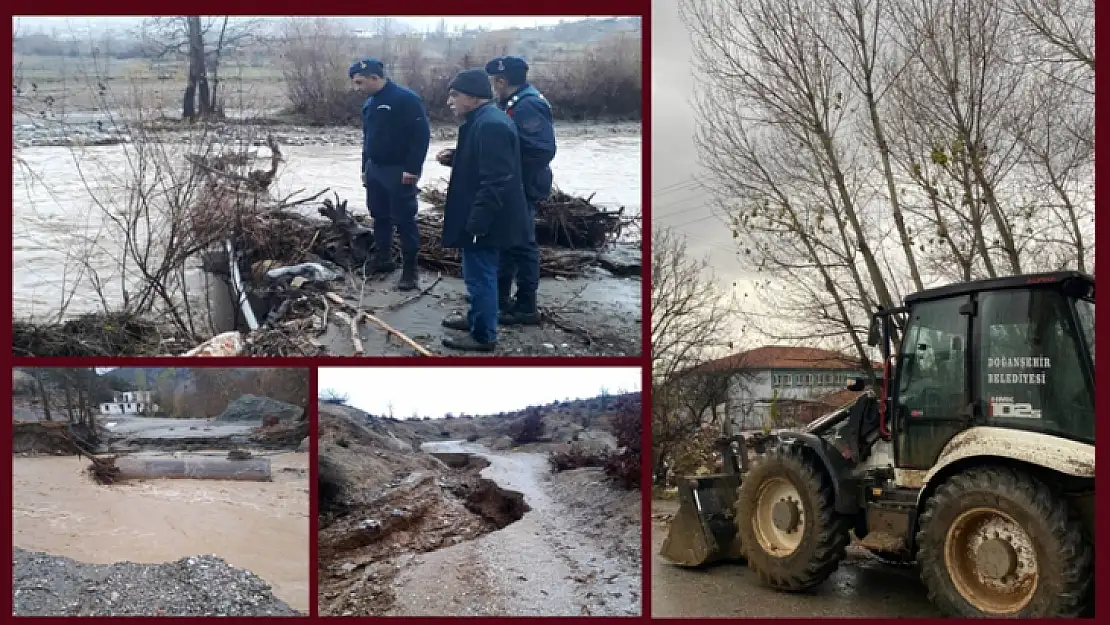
(46, 585)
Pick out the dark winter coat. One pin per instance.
(532, 115)
(485, 198)
(395, 131)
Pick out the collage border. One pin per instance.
(506, 7)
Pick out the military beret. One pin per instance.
(366, 67)
(508, 66)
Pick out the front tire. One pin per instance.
(790, 533)
(997, 542)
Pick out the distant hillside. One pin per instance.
(35, 37)
(579, 407)
(147, 378)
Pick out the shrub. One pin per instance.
(576, 457)
(527, 429)
(605, 81)
(624, 466)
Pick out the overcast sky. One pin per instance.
(418, 23)
(677, 200)
(435, 391)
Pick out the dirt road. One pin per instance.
(861, 587)
(545, 564)
(259, 526)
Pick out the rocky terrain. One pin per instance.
(47, 585)
(429, 518)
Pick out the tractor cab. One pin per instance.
(1014, 353)
(976, 460)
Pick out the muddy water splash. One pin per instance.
(55, 217)
(261, 527)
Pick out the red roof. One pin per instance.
(783, 357)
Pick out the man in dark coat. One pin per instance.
(486, 210)
(395, 137)
(531, 113)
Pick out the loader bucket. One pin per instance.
(704, 528)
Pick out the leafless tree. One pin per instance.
(315, 54)
(862, 149)
(691, 321)
(203, 43)
(334, 396)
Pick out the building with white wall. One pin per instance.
(803, 382)
(130, 403)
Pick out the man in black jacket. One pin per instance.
(395, 137)
(531, 113)
(486, 210)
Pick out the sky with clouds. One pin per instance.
(435, 391)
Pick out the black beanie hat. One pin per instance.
(473, 82)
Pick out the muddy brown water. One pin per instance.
(56, 220)
(259, 526)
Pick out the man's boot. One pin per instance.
(468, 344)
(524, 311)
(383, 249)
(504, 299)
(408, 275)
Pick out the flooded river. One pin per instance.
(259, 526)
(57, 221)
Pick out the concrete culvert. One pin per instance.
(201, 468)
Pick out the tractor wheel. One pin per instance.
(789, 532)
(997, 542)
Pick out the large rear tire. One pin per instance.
(997, 542)
(790, 534)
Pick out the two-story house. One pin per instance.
(130, 403)
(794, 384)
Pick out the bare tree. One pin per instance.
(203, 43)
(315, 55)
(334, 396)
(862, 149)
(691, 320)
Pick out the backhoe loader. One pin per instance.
(973, 457)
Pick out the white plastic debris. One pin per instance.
(310, 271)
(226, 344)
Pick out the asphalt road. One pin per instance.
(861, 587)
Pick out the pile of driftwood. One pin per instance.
(272, 236)
(348, 242)
(563, 220)
(93, 334)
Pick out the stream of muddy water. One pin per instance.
(258, 526)
(56, 219)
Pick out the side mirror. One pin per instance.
(873, 332)
(856, 385)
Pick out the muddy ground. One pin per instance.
(418, 527)
(861, 587)
(261, 527)
(598, 316)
